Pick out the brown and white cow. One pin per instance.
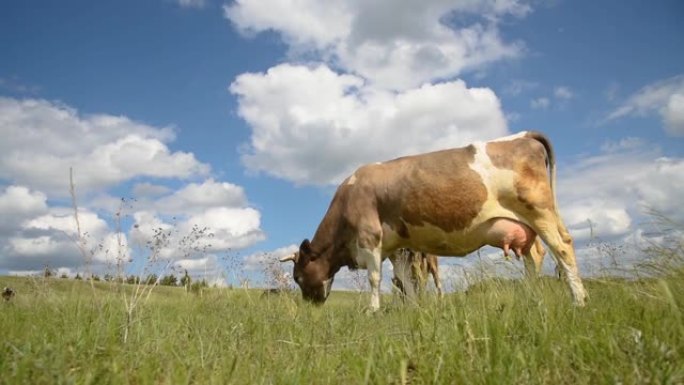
(446, 203)
(411, 270)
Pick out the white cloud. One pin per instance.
(146, 227)
(613, 189)
(592, 217)
(200, 265)
(42, 140)
(540, 103)
(196, 197)
(395, 45)
(301, 23)
(18, 203)
(149, 190)
(665, 98)
(52, 239)
(63, 220)
(233, 228)
(193, 236)
(98, 240)
(312, 125)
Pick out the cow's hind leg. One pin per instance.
(435, 276)
(551, 229)
(402, 271)
(533, 258)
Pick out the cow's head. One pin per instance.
(311, 273)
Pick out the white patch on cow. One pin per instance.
(579, 294)
(372, 261)
(496, 181)
(481, 163)
(326, 288)
(519, 135)
(352, 179)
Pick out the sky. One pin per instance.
(211, 135)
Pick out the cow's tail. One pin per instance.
(550, 160)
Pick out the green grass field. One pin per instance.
(58, 331)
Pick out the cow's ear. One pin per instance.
(305, 247)
(304, 252)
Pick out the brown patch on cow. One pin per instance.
(444, 191)
(527, 158)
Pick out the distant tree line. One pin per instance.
(150, 279)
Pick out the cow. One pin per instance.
(447, 203)
(8, 293)
(411, 269)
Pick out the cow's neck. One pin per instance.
(331, 241)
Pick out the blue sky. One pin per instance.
(243, 116)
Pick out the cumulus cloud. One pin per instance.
(233, 228)
(198, 266)
(606, 195)
(42, 140)
(149, 190)
(664, 98)
(373, 76)
(210, 216)
(193, 236)
(399, 49)
(198, 197)
(52, 239)
(313, 125)
(18, 203)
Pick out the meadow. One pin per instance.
(62, 331)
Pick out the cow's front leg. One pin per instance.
(373, 262)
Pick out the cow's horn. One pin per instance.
(289, 257)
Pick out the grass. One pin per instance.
(59, 331)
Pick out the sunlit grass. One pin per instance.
(63, 331)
